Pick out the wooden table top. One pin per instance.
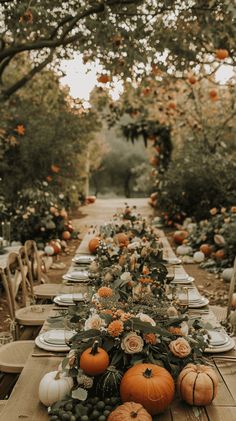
(24, 404)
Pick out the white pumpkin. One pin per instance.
(49, 250)
(198, 256)
(183, 250)
(53, 387)
(227, 274)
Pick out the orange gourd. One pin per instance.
(220, 254)
(206, 249)
(128, 412)
(66, 235)
(93, 245)
(222, 53)
(150, 385)
(94, 360)
(197, 384)
(180, 236)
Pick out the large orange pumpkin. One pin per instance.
(180, 236)
(93, 245)
(197, 384)
(150, 385)
(94, 360)
(206, 249)
(122, 239)
(128, 412)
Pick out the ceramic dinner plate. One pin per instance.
(68, 299)
(187, 280)
(86, 259)
(203, 302)
(230, 344)
(44, 342)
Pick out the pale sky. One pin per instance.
(82, 78)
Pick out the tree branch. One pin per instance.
(21, 82)
(52, 43)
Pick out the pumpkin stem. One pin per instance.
(133, 414)
(58, 375)
(94, 349)
(148, 373)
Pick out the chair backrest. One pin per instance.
(8, 294)
(16, 278)
(33, 262)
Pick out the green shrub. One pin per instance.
(195, 182)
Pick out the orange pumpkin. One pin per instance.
(197, 384)
(122, 239)
(222, 53)
(192, 80)
(206, 249)
(180, 236)
(94, 360)
(66, 235)
(220, 254)
(103, 78)
(93, 245)
(129, 411)
(150, 385)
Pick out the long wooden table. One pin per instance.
(24, 404)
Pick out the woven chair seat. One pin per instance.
(34, 315)
(14, 355)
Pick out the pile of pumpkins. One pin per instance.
(145, 389)
(205, 250)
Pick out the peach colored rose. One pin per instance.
(132, 343)
(213, 211)
(180, 348)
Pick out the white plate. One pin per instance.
(218, 337)
(55, 337)
(68, 278)
(83, 259)
(78, 274)
(223, 348)
(41, 343)
(202, 303)
(173, 260)
(188, 280)
(68, 299)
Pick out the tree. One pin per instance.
(42, 135)
(127, 36)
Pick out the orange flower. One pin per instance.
(115, 328)
(107, 311)
(233, 209)
(150, 338)
(146, 270)
(105, 292)
(175, 330)
(213, 211)
(49, 178)
(144, 280)
(20, 129)
(55, 168)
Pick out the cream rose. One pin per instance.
(94, 322)
(132, 343)
(145, 318)
(180, 348)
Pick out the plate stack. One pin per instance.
(84, 259)
(192, 298)
(77, 276)
(65, 300)
(54, 340)
(219, 341)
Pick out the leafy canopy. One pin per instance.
(125, 35)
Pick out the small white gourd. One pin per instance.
(53, 387)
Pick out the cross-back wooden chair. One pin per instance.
(40, 287)
(21, 314)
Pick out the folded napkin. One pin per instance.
(56, 337)
(71, 297)
(77, 275)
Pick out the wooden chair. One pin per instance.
(21, 314)
(14, 355)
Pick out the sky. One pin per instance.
(81, 78)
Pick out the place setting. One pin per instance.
(54, 340)
(219, 341)
(75, 275)
(85, 259)
(66, 300)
